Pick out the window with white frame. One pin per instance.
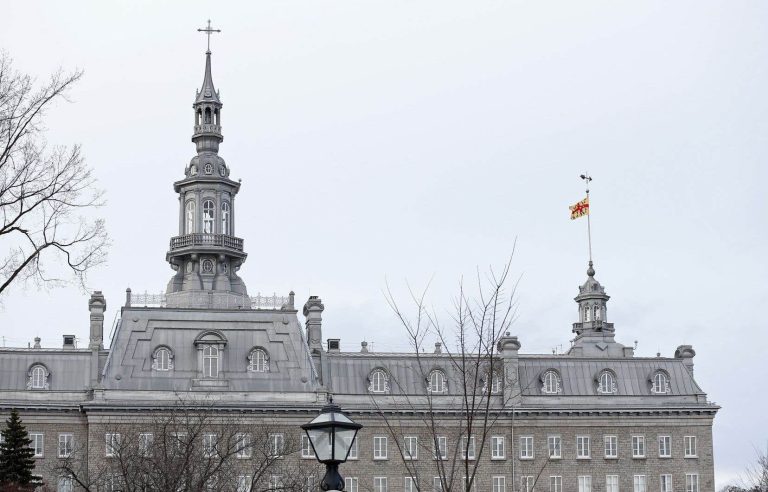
(145, 444)
(611, 483)
(209, 445)
(178, 442)
(258, 360)
(244, 483)
(526, 447)
(585, 483)
(243, 445)
(691, 482)
(555, 483)
(350, 484)
(611, 446)
(380, 447)
(596, 312)
(550, 382)
(64, 484)
(275, 482)
(606, 383)
(437, 484)
(66, 445)
(190, 218)
(276, 445)
(526, 483)
(499, 484)
(496, 385)
(441, 447)
(437, 382)
(379, 484)
(555, 447)
(38, 378)
(497, 448)
(306, 447)
(466, 480)
(409, 484)
(378, 381)
(660, 383)
(639, 483)
(665, 446)
(638, 446)
(665, 482)
(162, 359)
(225, 221)
(112, 444)
(587, 313)
(37, 443)
(211, 362)
(582, 447)
(410, 447)
(689, 443)
(208, 217)
(352, 450)
(468, 448)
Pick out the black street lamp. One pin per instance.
(331, 434)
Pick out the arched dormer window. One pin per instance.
(210, 346)
(378, 381)
(189, 218)
(37, 377)
(208, 217)
(606, 383)
(211, 362)
(162, 359)
(660, 383)
(550, 382)
(437, 382)
(597, 315)
(587, 314)
(258, 360)
(225, 211)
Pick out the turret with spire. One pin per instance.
(206, 254)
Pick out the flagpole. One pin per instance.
(586, 177)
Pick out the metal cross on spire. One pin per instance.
(209, 31)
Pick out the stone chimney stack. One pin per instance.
(313, 311)
(686, 353)
(508, 348)
(97, 304)
(37, 343)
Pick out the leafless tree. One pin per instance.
(755, 477)
(45, 193)
(454, 427)
(190, 447)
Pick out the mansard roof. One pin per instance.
(69, 369)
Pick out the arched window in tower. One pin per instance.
(225, 218)
(208, 216)
(587, 314)
(190, 218)
(216, 114)
(198, 117)
(207, 115)
(211, 362)
(597, 313)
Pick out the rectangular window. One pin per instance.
(112, 442)
(611, 483)
(145, 444)
(497, 447)
(582, 446)
(611, 446)
(437, 484)
(526, 483)
(209, 445)
(66, 443)
(638, 446)
(311, 485)
(276, 445)
(37, 443)
(352, 450)
(178, 441)
(379, 484)
(665, 446)
(555, 446)
(466, 484)
(690, 446)
(499, 484)
(64, 484)
(306, 447)
(243, 445)
(409, 484)
(585, 483)
(350, 484)
(410, 448)
(691, 482)
(243, 483)
(275, 482)
(555, 483)
(380, 448)
(441, 447)
(666, 483)
(468, 448)
(639, 483)
(526, 447)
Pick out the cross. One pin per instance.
(208, 31)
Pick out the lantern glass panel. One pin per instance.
(321, 441)
(344, 439)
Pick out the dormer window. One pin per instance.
(437, 382)
(38, 377)
(211, 362)
(550, 382)
(606, 383)
(378, 381)
(162, 359)
(258, 361)
(660, 383)
(210, 346)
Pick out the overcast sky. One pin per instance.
(406, 140)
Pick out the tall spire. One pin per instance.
(207, 92)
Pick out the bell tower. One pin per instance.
(206, 254)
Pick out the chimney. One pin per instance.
(97, 304)
(313, 311)
(37, 343)
(69, 341)
(438, 348)
(333, 345)
(686, 353)
(364, 347)
(508, 347)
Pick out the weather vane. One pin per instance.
(209, 31)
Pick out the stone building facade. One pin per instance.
(594, 419)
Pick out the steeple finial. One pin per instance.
(590, 270)
(209, 31)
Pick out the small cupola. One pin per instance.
(592, 301)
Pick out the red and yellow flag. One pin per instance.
(580, 209)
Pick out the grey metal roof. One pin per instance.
(69, 369)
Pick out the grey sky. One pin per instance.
(406, 140)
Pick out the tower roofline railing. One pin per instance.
(259, 302)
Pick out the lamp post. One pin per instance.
(331, 435)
